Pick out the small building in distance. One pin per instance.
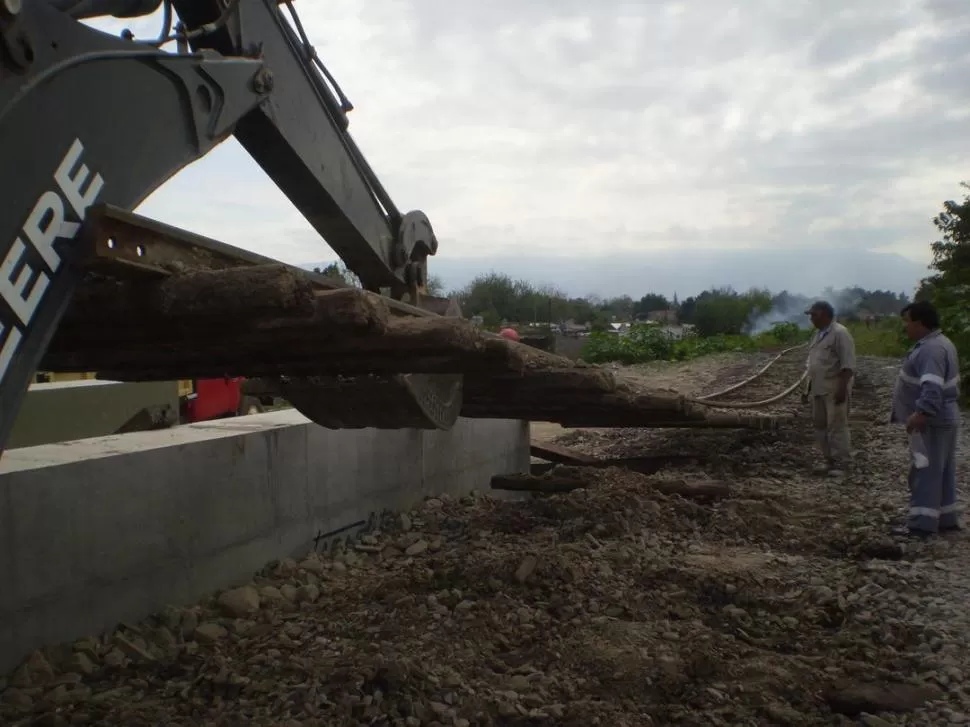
(668, 316)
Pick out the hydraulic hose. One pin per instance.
(735, 387)
(754, 404)
(708, 399)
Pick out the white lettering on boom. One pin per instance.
(23, 281)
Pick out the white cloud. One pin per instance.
(574, 129)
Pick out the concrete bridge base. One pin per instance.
(97, 531)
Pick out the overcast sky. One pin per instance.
(627, 132)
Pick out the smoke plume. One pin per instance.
(790, 308)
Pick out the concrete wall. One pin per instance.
(63, 410)
(98, 531)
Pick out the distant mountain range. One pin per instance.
(687, 273)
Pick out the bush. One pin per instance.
(645, 343)
(787, 333)
(642, 343)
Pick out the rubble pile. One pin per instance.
(614, 604)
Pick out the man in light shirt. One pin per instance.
(831, 366)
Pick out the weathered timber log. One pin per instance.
(578, 478)
(644, 465)
(202, 295)
(537, 469)
(153, 336)
(569, 390)
(261, 290)
(269, 313)
(320, 347)
(558, 454)
(585, 408)
(268, 321)
(197, 306)
(547, 483)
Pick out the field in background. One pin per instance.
(645, 343)
(885, 338)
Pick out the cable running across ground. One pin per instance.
(710, 399)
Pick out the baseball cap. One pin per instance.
(821, 305)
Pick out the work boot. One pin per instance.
(838, 469)
(907, 532)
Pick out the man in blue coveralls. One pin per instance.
(925, 400)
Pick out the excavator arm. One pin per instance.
(299, 137)
(89, 120)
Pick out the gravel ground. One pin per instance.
(783, 604)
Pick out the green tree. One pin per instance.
(491, 295)
(687, 309)
(621, 308)
(925, 291)
(340, 272)
(498, 296)
(649, 303)
(949, 286)
(435, 285)
(723, 311)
